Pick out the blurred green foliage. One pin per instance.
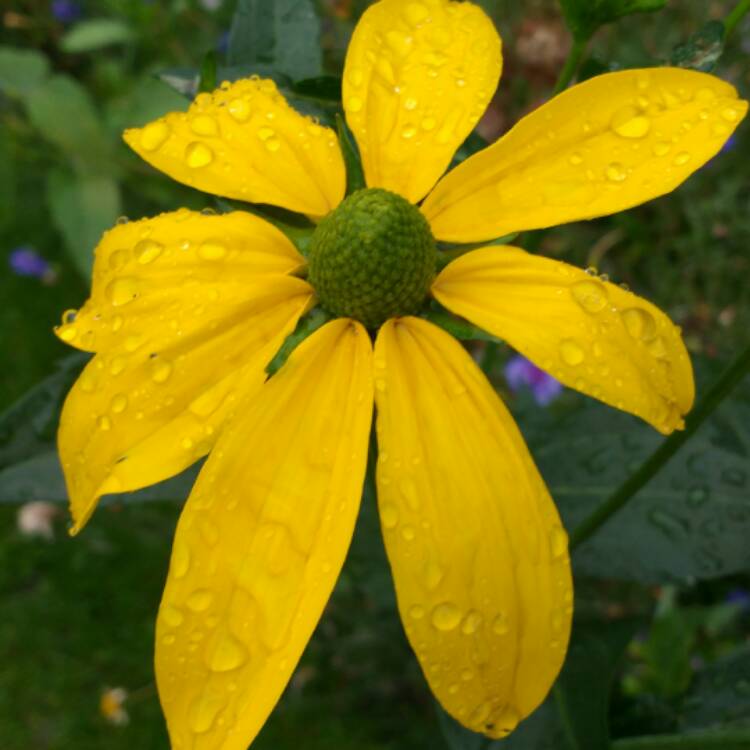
(78, 615)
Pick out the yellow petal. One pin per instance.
(478, 554)
(133, 419)
(261, 541)
(418, 77)
(159, 280)
(600, 147)
(591, 335)
(244, 141)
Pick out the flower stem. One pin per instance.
(571, 65)
(651, 466)
(735, 17)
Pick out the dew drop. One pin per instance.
(500, 625)
(389, 516)
(171, 616)
(154, 135)
(204, 125)
(628, 122)
(198, 155)
(67, 333)
(639, 323)
(661, 148)
(558, 542)
(408, 534)
(212, 250)
(119, 403)
(575, 159)
(592, 296)
(416, 612)
(203, 712)
(471, 623)
(226, 655)
(180, 560)
(122, 291)
(354, 104)
(408, 132)
(730, 114)
(428, 124)
(147, 251)
(682, 158)
(239, 109)
(161, 370)
(410, 104)
(616, 172)
(571, 352)
(200, 600)
(446, 616)
(104, 423)
(416, 14)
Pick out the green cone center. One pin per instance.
(372, 258)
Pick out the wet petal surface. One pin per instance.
(418, 77)
(602, 146)
(590, 335)
(478, 554)
(261, 541)
(244, 141)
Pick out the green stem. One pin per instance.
(735, 17)
(571, 65)
(737, 739)
(651, 466)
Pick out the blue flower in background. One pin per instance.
(66, 11)
(25, 261)
(521, 373)
(739, 597)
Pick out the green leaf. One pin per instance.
(284, 34)
(728, 739)
(82, 207)
(584, 17)
(94, 34)
(691, 521)
(28, 426)
(208, 77)
(63, 112)
(702, 50)
(40, 478)
(574, 715)
(21, 70)
(720, 695)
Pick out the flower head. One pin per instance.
(26, 261)
(187, 310)
(112, 706)
(522, 373)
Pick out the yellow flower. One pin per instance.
(187, 309)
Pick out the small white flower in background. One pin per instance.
(211, 4)
(35, 519)
(111, 706)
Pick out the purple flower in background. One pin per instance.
(66, 11)
(739, 597)
(25, 261)
(520, 373)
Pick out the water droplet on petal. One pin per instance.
(682, 158)
(119, 403)
(446, 616)
(639, 323)
(616, 172)
(661, 148)
(389, 516)
(154, 135)
(500, 625)
(416, 612)
(161, 370)
(200, 600)
(226, 655)
(416, 14)
(730, 114)
(212, 250)
(239, 109)
(180, 560)
(204, 125)
(171, 616)
(198, 155)
(592, 296)
(203, 712)
(558, 541)
(472, 622)
(104, 423)
(122, 291)
(629, 122)
(147, 251)
(571, 352)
